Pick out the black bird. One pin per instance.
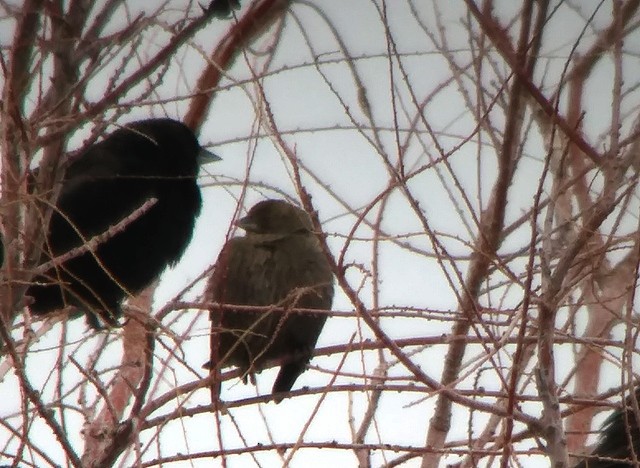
(278, 263)
(618, 435)
(223, 8)
(150, 159)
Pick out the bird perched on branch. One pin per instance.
(131, 200)
(278, 263)
(619, 434)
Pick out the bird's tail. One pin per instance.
(287, 376)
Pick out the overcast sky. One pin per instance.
(311, 85)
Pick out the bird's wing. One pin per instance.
(97, 190)
(238, 336)
(310, 286)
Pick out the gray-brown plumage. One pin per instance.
(278, 262)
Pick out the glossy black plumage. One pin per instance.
(278, 262)
(617, 431)
(157, 158)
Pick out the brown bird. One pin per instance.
(278, 263)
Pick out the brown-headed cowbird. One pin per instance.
(150, 159)
(619, 434)
(277, 263)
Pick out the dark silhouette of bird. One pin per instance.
(279, 263)
(223, 8)
(154, 161)
(619, 433)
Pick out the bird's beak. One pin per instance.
(247, 224)
(206, 157)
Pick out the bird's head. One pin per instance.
(180, 151)
(275, 217)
